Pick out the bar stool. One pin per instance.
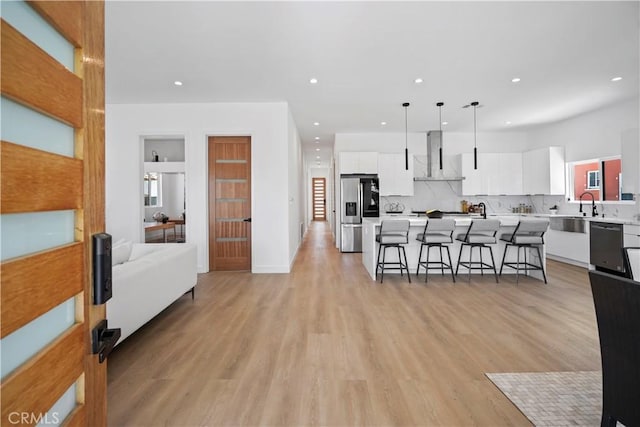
(527, 235)
(481, 233)
(437, 233)
(393, 234)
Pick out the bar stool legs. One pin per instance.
(526, 266)
(426, 264)
(477, 265)
(384, 265)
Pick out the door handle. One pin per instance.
(247, 220)
(103, 340)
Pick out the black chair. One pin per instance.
(631, 259)
(617, 304)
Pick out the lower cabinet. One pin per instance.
(568, 246)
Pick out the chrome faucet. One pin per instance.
(484, 209)
(594, 211)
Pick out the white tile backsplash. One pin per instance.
(445, 196)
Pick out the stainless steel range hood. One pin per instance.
(434, 143)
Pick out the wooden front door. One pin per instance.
(319, 197)
(52, 202)
(229, 203)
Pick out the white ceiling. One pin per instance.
(366, 56)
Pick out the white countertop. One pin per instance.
(461, 221)
(506, 219)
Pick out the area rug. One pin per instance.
(554, 398)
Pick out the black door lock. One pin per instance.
(103, 340)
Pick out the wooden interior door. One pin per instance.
(230, 203)
(319, 197)
(52, 202)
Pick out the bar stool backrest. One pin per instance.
(394, 231)
(440, 225)
(530, 228)
(394, 226)
(487, 227)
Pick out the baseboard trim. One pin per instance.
(269, 269)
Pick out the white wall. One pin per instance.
(295, 190)
(591, 135)
(266, 123)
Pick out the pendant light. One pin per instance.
(474, 104)
(406, 137)
(440, 104)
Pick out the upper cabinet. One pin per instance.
(358, 162)
(543, 171)
(631, 161)
(497, 174)
(395, 180)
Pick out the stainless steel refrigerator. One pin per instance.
(359, 198)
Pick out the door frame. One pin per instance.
(205, 181)
(156, 135)
(313, 213)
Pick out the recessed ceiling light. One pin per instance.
(316, 124)
(317, 149)
(418, 80)
(318, 157)
(313, 81)
(177, 83)
(507, 123)
(383, 123)
(616, 79)
(515, 79)
(445, 123)
(317, 138)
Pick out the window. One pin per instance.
(599, 177)
(593, 180)
(152, 190)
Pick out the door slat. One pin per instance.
(34, 180)
(38, 384)
(77, 418)
(32, 77)
(31, 278)
(64, 16)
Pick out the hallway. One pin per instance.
(326, 345)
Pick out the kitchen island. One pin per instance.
(371, 227)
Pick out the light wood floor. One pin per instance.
(325, 345)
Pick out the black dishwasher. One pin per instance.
(605, 247)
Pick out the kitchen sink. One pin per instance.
(571, 224)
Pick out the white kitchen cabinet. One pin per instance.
(476, 181)
(395, 180)
(508, 174)
(358, 162)
(630, 161)
(543, 171)
(497, 174)
(572, 247)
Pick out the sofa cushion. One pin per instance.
(121, 251)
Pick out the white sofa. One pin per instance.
(146, 279)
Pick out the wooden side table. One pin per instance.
(179, 222)
(153, 226)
